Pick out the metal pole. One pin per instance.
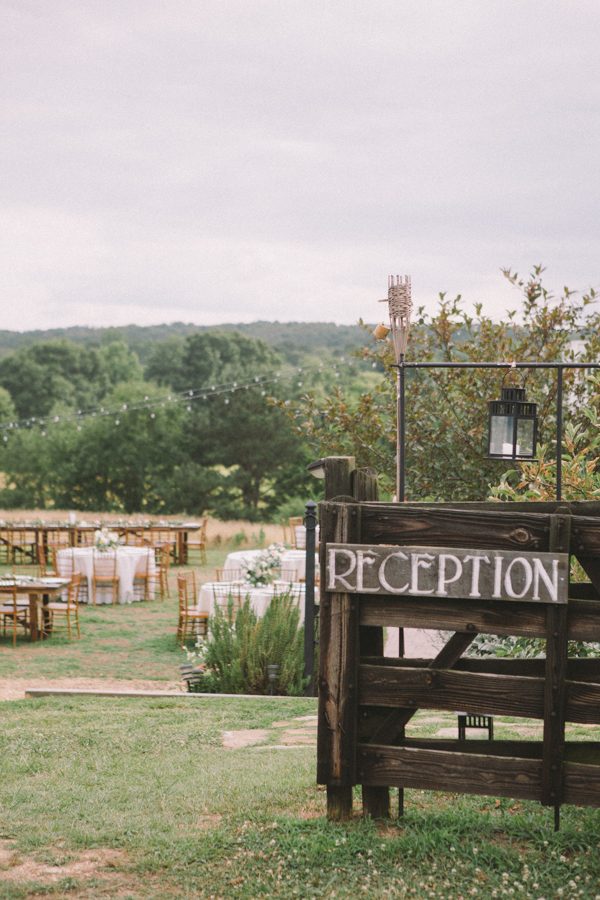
(401, 435)
(559, 425)
(310, 523)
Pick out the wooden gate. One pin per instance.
(366, 700)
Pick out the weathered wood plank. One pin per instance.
(582, 703)
(443, 527)
(585, 536)
(453, 573)
(392, 729)
(468, 773)
(450, 690)
(573, 507)
(583, 590)
(337, 727)
(584, 670)
(591, 567)
(581, 784)
(527, 619)
(376, 800)
(338, 475)
(527, 749)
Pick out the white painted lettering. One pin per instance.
(551, 583)
(475, 571)
(497, 594)
(340, 576)
(419, 561)
(364, 558)
(508, 577)
(382, 577)
(445, 558)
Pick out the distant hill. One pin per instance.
(293, 339)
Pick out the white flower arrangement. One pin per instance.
(263, 568)
(105, 540)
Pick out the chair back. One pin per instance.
(229, 574)
(73, 591)
(105, 564)
(227, 595)
(65, 563)
(10, 600)
(184, 593)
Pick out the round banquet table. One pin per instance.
(260, 597)
(293, 563)
(130, 560)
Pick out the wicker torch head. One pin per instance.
(399, 301)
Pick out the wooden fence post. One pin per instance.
(338, 671)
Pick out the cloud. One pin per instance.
(235, 160)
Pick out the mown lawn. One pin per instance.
(145, 790)
(132, 641)
(112, 798)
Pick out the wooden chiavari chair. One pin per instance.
(192, 622)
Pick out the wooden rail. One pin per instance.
(367, 701)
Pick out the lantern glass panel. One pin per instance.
(501, 435)
(525, 437)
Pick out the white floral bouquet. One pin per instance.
(262, 569)
(105, 540)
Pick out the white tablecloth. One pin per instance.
(293, 563)
(260, 597)
(130, 560)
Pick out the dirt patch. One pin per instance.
(85, 865)
(245, 737)
(14, 688)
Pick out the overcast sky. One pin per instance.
(231, 160)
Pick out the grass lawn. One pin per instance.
(132, 641)
(102, 797)
(138, 798)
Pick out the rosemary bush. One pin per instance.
(239, 649)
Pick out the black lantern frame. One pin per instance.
(512, 430)
(558, 367)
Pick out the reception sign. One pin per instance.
(448, 572)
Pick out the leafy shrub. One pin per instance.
(525, 648)
(239, 648)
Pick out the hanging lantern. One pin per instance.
(513, 426)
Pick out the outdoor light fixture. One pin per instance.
(317, 468)
(272, 675)
(513, 426)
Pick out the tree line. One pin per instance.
(111, 438)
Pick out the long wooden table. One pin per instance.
(39, 591)
(28, 536)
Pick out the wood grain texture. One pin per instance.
(581, 784)
(446, 689)
(391, 729)
(584, 670)
(444, 527)
(468, 773)
(526, 619)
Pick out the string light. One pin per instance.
(148, 404)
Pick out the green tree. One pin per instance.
(446, 410)
(237, 431)
(40, 376)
